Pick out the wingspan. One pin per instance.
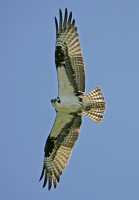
(59, 146)
(68, 56)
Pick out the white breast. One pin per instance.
(69, 104)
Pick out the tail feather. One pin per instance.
(94, 105)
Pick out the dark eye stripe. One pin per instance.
(58, 100)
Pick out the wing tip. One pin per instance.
(66, 10)
(60, 10)
(56, 25)
(49, 180)
(42, 174)
(65, 20)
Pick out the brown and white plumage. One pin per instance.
(58, 148)
(71, 103)
(68, 55)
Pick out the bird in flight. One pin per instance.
(71, 104)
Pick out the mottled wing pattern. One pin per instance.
(68, 52)
(59, 146)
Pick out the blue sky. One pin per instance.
(105, 160)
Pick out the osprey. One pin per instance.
(71, 103)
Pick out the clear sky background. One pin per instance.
(105, 160)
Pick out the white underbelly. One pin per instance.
(69, 105)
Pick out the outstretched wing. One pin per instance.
(68, 56)
(59, 146)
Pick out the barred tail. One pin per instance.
(94, 105)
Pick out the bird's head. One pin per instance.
(55, 102)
